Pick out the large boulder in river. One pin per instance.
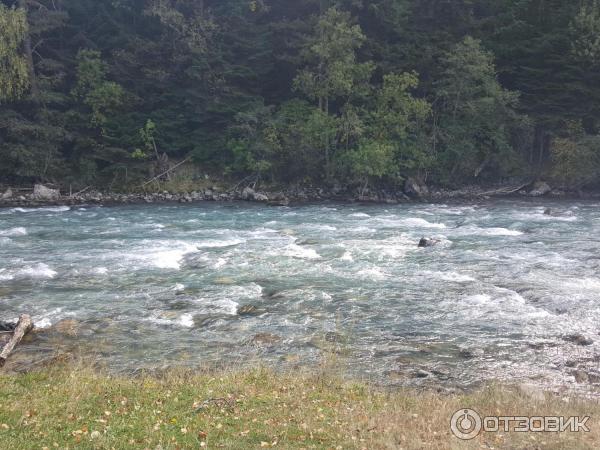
(540, 188)
(41, 192)
(415, 188)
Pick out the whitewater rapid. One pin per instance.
(494, 299)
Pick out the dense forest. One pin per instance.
(110, 92)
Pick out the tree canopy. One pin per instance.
(330, 92)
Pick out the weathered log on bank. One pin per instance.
(24, 326)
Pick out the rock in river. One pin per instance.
(578, 339)
(427, 242)
(41, 192)
(248, 310)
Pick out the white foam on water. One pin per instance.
(171, 319)
(500, 232)
(186, 320)
(100, 270)
(49, 318)
(477, 300)
(556, 216)
(168, 255)
(169, 259)
(178, 287)
(296, 251)
(363, 230)
(454, 277)
(5, 241)
(347, 256)
(220, 263)
(44, 209)
(314, 226)
(228, 306)
(420, 223)
(582, 284)
(219, 244)
(4, 276)
(505, 304)
(43, 323)
(360, 215)
(37, 271)
(373, 273)
(326, 296)
(494, 231)
(18, 231)
(459, 211)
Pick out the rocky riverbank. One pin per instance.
(413, 191)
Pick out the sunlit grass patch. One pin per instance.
(74, 407)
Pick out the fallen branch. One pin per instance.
(24, 326)
(506, 190)
(167, 172)
(81, 191)
(243, 181)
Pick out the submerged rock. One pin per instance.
(68, 327)
(578, 339)
(7, 326)
(282, 202)
(265, 339)
(248, 310)
(581, 376)
(420, 373)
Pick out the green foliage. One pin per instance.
(333, 70)
(586, 33)
(372, 159)
(14, 76)
(576, 157)
(147, 136)
(101, 96)
(300, 90)
(254, 141)
(399, 120)
(475, 114)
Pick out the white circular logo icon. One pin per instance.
(465, 424)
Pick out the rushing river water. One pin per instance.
(150, 286)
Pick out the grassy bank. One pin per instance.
(67, 407)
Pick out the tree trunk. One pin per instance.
(35, 91)
(24, 326)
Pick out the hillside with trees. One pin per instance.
(108, 93)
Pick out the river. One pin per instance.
(228, 284)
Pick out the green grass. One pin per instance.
(72, 407)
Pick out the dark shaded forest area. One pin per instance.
(94, 92)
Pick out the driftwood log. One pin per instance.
(506, 190)
(24, 326)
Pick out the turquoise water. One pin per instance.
(155, 286)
